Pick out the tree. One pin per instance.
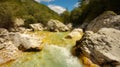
(6, 16)
(66, 17)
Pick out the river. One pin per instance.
(55, 53)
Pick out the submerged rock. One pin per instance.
(55, 25)
(102, 47)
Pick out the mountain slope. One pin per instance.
(29, 10)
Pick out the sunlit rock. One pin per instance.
(37, 27)
(76, 33)
(55, 25)
(26, 42)
(102, 47)
(8, 51)
(106, 20)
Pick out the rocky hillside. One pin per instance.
(28, 10)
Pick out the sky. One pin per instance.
(60, 6)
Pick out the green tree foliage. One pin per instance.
(6, 16)
(75, 16)
(29, 10)
(66, 17)
(90, 9)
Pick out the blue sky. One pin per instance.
(59, 5)
(69, 4)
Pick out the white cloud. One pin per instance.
(47, 0)
(77, 4)
(57, 9)
(44, 0)
(37, 0)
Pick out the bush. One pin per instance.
(29, 20)
(6, 16)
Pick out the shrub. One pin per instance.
(29, 20)
(6, 16)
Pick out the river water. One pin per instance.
(52, 55)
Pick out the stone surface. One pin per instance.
(8, 51)
(37, 27)
(76, 33)
(19, 22)
(102, 47)
(20, 29)
(3, 31)
(26, 41)
(55, 25)
(106, 20)
(11, 44)
(69, 25)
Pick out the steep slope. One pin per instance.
(29, 10)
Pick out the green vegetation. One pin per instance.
(33, 12)
(66, 17)
(90, 9)
(29, 10)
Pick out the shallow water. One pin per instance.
(55, 53)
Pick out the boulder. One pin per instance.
(37, 27)
(3, 31)
(8, 51)
(55, 25)
(76, 33)
(102, 47)
(69, 25)
(19, 22)
(20, 29)
(26, 42)
(106, 20)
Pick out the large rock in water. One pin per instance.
(106, 20)
(26, 42)
(11, 43)
(55, 25)
(102, 47)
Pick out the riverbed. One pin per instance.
(56, 52)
